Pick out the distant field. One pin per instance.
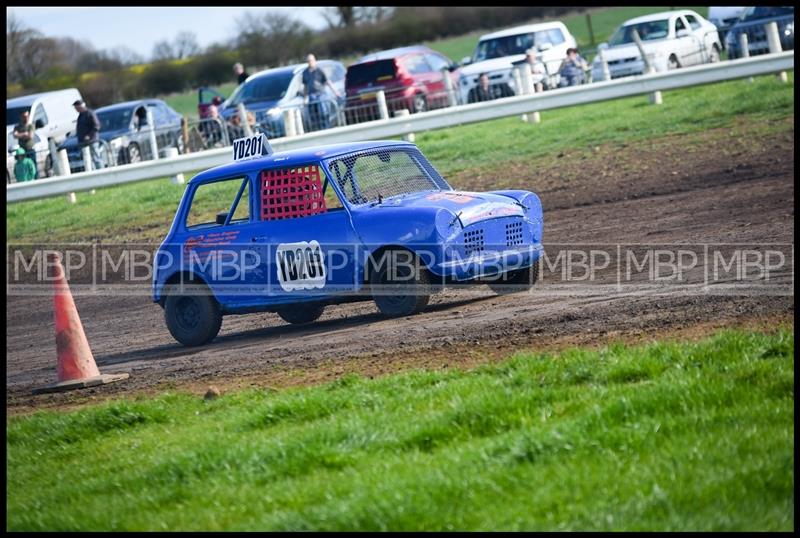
(145, 210)
(604, 22)
(666, 436)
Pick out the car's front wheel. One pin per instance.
(400, 285)
(673, 63)
(713, 56)
(516, 281)
(420, 103)
(134, 153)
(193, 318)
(301, 313)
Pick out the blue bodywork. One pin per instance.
(458, 236)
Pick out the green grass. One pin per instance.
(145, 210)
(667, 436)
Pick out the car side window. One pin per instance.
(416, 64)
(555, 36)
(437, 62)
(679, 25)
(211, 203)
(334, 72)
(39, 114)
(693, 22)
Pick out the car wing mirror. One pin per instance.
(602, 46)
(544, 46)
(466, 60)
(452, 67)
(39, 123)
(221, 217)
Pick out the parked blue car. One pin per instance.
(268, 93)
(296, 231)
(752, 23)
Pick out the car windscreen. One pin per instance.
(379, 174)
(504, 46)
(378, 71)
(115, 120)
(765, 12)
(12, 114)
(648, 31)
(266, 88)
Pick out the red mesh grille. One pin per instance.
(291, 192)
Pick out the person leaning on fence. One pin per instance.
(314, 83)
(210, 126)
(88, 128)
(24, 168)
(241, 74)
(486, 92)
(572, 69)
(24, 132)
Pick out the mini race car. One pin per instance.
(296, 231)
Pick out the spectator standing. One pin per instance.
(241, 74)
(88, 128)
(314, 83)
(572, 69)
(24, 168)
(486, 92)
(24, 132)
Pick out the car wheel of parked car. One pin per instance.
(673, 63)
(48, 167)
(400, 285)
(515, 281)
(194, 318)
(134, 153)
(301, 313)
(713, 56)
(179, 144)
(420, 103)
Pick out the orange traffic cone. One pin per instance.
(76, 367)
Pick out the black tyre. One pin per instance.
(301, 313)
(134, 153)
(516, 281)
(48, 167)
(193, 318)
(673, 63)
(420, 103)
(400, 285)
(714, 55)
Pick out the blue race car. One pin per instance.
(295, 231)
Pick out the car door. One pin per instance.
(309, 248)
(425, 79)
(685, 43)
(701, 35)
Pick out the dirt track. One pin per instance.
(710, 187)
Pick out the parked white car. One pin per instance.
(496, 53)
(670, 39)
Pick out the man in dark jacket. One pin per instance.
(88, 127)
(484, 92)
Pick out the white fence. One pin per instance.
(405, 125)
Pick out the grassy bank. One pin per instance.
(678, 436)
(145, 210)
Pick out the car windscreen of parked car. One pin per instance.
(266, 88)
(12, 114)
(499, 47)
(382, 174)
(648, 31)
(378, 71)
(115, 120)
(764, 12)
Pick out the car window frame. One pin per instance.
(423, 61)
(246, 180)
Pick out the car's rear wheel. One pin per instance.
(134, 153)
(301, 313)
(420, 103)
(400, 285)
(713, 56)
(193, 318)
(516, 281)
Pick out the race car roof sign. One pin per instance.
(251, 147)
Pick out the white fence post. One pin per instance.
(530, 89)
(54, 157)
(655, 97)
(383, 110)
(248, 131)
(288, 122)
(177, 179)
(298, 121)
(63, 161)
(745, 48)
(151, 124)
(88, 163)
(404, 113)
(604, 64)
(448, 86)
(774, 41)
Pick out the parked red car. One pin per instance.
(412, 78)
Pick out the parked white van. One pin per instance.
(496, 53)
(53, 115)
